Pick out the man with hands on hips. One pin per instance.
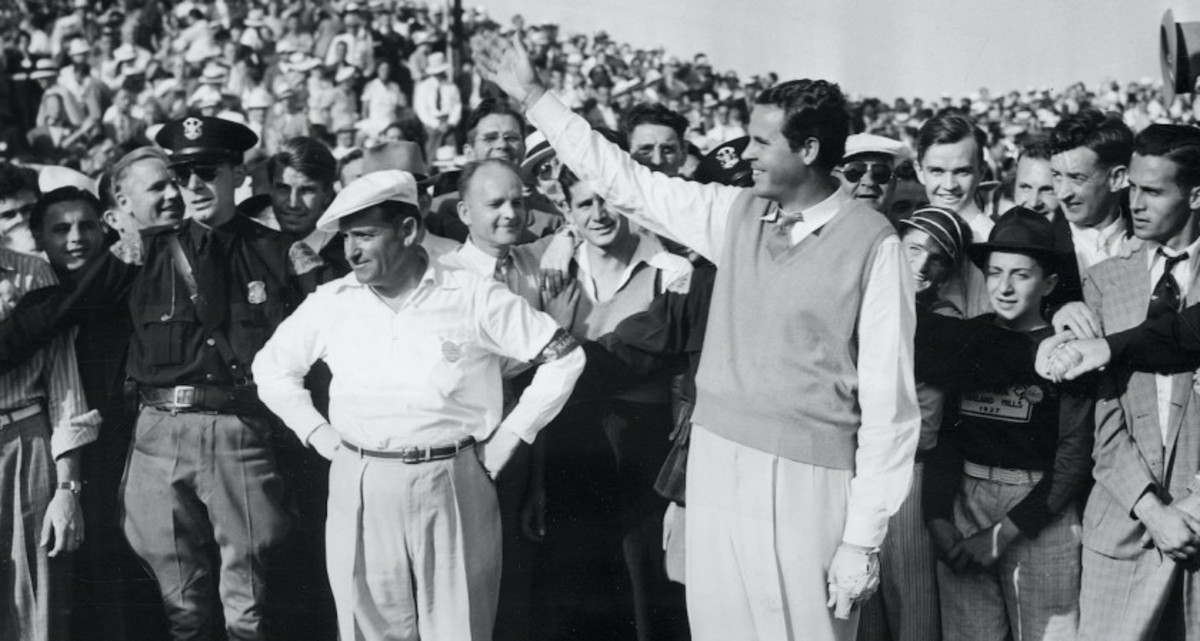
(803, 445)
(414, 431)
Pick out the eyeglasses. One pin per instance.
(854, 171)
(206, 173)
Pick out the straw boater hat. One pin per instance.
(214, 74)
(44, 68)
(78, 47)
(254, 18)
(124, 53)
(437, 64)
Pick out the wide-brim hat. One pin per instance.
(1020, 231)
(437, 63)
(214, 74)
(78, 47)
(44, 68)
(124, 53)
(367, 191)
(403, 155)
(254, 18)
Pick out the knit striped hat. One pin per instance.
(944, 227)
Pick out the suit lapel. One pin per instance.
(1129, 300)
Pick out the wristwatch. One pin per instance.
(71, 486)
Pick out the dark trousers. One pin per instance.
(113, 596)
(603, 568)
(204, 508)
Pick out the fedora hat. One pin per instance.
(1018, 231)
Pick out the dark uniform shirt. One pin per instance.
(242, 272)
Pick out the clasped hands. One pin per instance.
(1077, 348)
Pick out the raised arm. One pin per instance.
(690, 213)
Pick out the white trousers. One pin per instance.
(413, 549)
(761, 533)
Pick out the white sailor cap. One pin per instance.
(368, 191)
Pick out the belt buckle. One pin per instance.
(183, 396)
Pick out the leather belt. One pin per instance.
(203, 398)
(1001, 474)
(414, 454)
(19, 414)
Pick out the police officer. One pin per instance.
(204, 501)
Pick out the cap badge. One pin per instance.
(727, 157)
(256, 292)
(192, 128)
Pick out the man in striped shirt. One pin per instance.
(43, 423)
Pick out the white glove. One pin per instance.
(853, 578)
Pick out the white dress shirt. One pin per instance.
(426, 374)
(697, 216)
(526, 261)
(1184, 272)
(1094, 245)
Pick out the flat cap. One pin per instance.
(368, 191)
(200, 138)
(872, 144)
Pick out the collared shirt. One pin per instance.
(1097, 244)
(815, 217)
(675, 269)
(698, 216)
(425, 374)
(1184, 272)
(526, 260)
(51, 375)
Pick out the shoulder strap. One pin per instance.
(184, 267)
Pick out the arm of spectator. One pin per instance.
(1167, 344)
(1072, 461)
(959, 354)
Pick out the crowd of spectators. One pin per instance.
(86, 81)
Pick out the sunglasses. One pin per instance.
(206, 173)
(854, 171)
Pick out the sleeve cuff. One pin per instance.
(74, 433)
(864, 531)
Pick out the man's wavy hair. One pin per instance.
(812, 109)
(1104, 133)
(1178, 143)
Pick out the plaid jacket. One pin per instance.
(1130, 455)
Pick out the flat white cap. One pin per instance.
(872, 144)
(368, 191)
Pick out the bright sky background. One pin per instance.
(887, 48)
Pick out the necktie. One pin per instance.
(1166, 296)
(211, 272)
(779, 236)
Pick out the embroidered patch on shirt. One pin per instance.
(451, 351)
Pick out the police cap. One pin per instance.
(203, 138)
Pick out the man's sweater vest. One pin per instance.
(779, 371)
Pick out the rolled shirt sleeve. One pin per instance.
(891, 417)
(73, 425)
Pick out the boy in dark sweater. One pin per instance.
(1011, 462)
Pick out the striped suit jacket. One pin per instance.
(1130, 453)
